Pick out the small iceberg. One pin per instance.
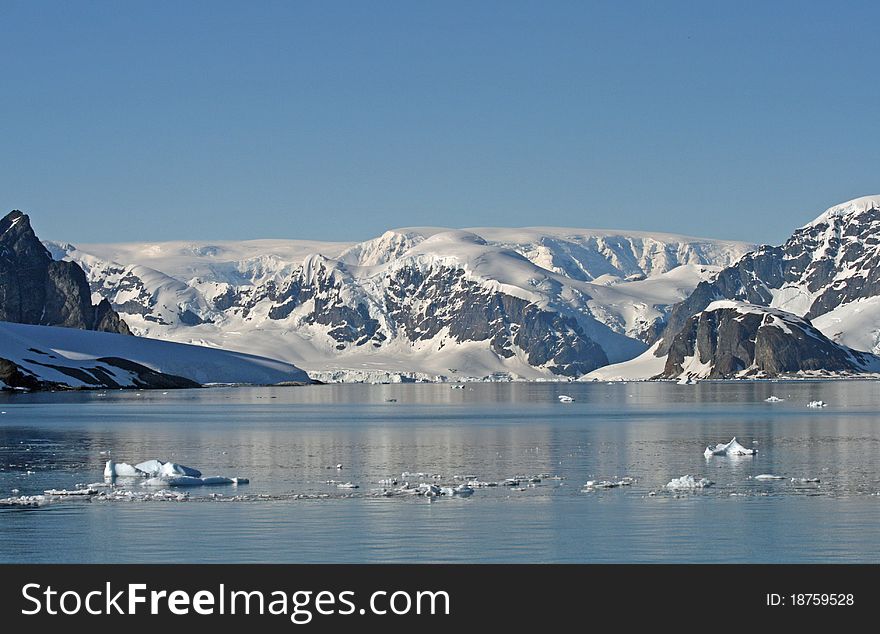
(686, 380)
(120, 469)
(148, 469)
(347, 485)
(733, 448)
(817, 404)
(688, 482)
(769, 476)
(773, 399)
(565, 398)
(805, 480)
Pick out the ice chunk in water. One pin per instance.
(774, 399)
(565, 398)
(817, 404)
(120, 469)
(214, 480)
(769, 476)
(733, 448)
(689, 482)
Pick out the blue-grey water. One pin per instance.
(288, 441)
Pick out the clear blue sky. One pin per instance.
(124, 121)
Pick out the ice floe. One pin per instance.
(773, 399)
(688, 482)
(75, 492)
(732, 448)
(805, 480)
(769, 476)
(565, 398)
(819, 403)
(192, 481)
(608, 484)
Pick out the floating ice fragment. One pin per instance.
(774, 399)
(347, 485)
(565, 398)
(75, 492)
(213, 480)
(430, 490)
(25, 500)
(688, 482)
(817, 404)
(769, 476)
(479, 484)
(733, 448)
(805, 480)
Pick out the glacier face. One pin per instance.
(534, 302)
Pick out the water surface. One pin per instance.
(289, 440)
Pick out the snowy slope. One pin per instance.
(424, 300)
(35, 349)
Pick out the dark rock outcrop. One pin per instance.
(98, 376)
(35, 289)
(735, 339)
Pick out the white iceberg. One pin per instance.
(565, 398)
(171, 469)
(773, 399)
(733, 448)
(817, 404)
(120, 469)
(805, 480)
(688, 482)
(769, 476)
(151, 468)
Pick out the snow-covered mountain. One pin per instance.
(821, 289)
(419, 302)
(828, 271)
(40, 357)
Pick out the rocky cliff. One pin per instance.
(35, 289)
(731, 339)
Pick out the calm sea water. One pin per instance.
(287, 441)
